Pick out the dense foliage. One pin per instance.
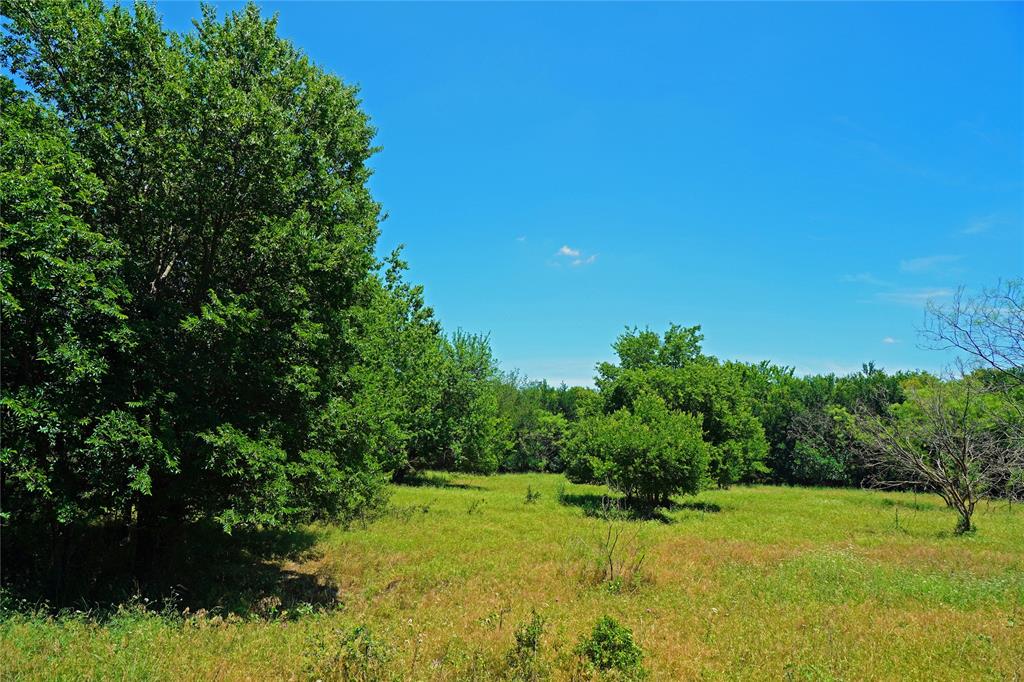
(196, 327)
(649, 453)
(806, 419)
(674, 368)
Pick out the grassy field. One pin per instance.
(747, 583)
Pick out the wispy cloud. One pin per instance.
(810, 367)
(865, 278)
(521, 238)
(927, 263)
(979, 225)
(577, 257)
(914, 296)
(890, 340)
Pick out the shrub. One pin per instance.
(674, 367)
(648, 454)
(610, 648)
(523, 659)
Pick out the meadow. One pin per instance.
(746, 583)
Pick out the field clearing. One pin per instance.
(747, 583)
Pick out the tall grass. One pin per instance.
(748, 583)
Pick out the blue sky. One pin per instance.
(797, 178)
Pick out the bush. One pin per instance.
(523, 659)
(648, 454)
(610, 648)
(674, 368)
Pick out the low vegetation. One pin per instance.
(754, 582)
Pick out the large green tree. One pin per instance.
(195, 325)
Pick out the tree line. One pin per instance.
(196, 328)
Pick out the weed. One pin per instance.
(615, 554)
(495, 619)
(355, 655)
(407, 513)
(532, 495)
(610, 648)
(523, 660)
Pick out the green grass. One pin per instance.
(753, 582)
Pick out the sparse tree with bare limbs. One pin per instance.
(948, 437)
(988, 327)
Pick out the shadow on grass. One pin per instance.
(253, 574)
(431, 480)
(600, 506)
(903, 504)
(697, 505)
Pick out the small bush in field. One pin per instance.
(531, 495)
(355, 655)
(649, 453)
(610, 648)
(524, 662)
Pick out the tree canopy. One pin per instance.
(196, 326)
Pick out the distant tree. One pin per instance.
(823, 448)
(803, 419)
(944, 437)
(396, 384)
(681, 346)
(638, 349)
(583, 402)
(537, 444)
(464, 431)
(543, 445)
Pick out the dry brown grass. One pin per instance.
(780, 583)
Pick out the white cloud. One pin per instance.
(979, 225)
(576, 256)
(914, 296)
(521, 238)
(865, 278)
(812, 367)
(889, 340)
(927, 263)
